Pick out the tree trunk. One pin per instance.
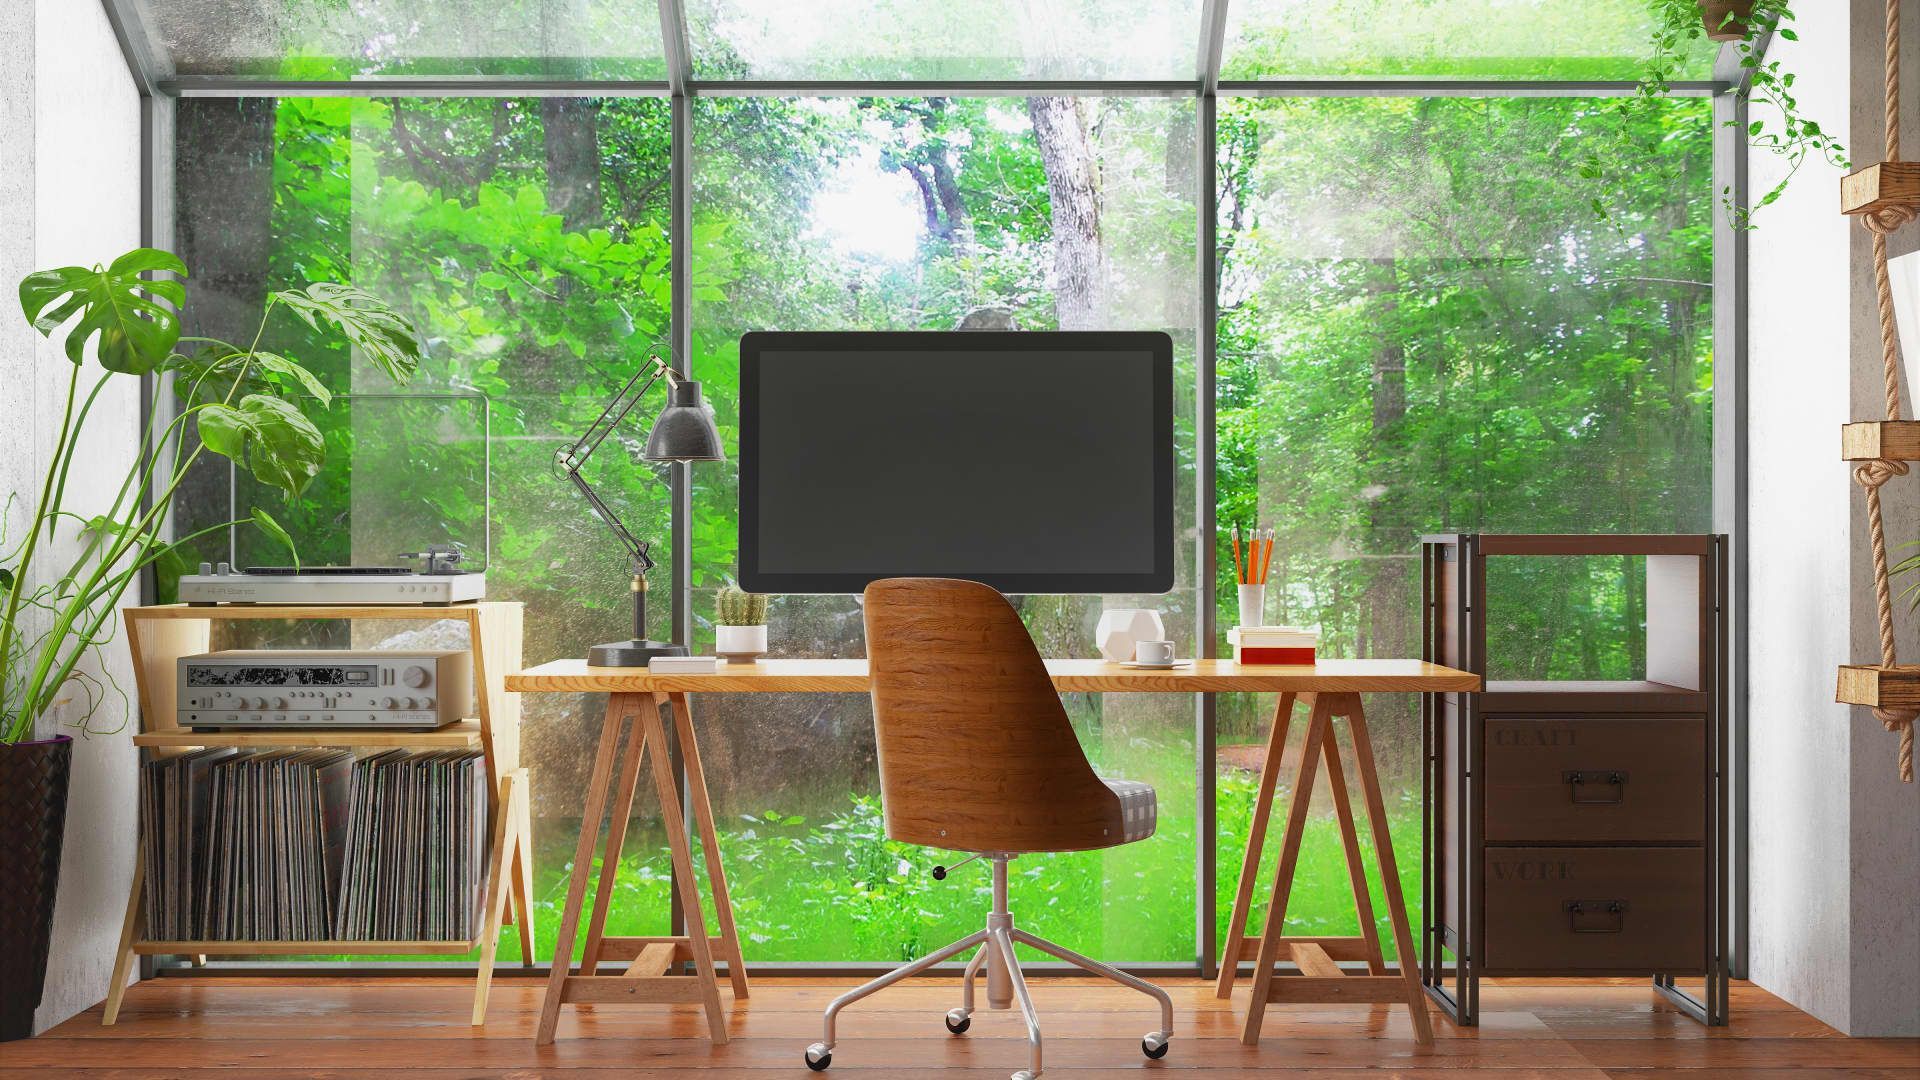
(572, 133)
(1073, 189)
(223, 221)
(1387, 580)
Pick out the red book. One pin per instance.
(1256, 655)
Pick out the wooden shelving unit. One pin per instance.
(159, 636)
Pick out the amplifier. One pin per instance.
(325, 688)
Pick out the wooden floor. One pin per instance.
(360, 1028)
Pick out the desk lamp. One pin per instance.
(684, 432)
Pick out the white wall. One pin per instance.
(70, 193)
(1835, 852)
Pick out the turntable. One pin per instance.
(438, 580)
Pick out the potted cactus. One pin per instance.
(740, 632)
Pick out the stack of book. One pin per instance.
(1273, 644)
(312, 845)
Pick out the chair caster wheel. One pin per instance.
(1155, 1045)
(959, 1020)
(819, 1056)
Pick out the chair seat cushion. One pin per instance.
(1139, 809)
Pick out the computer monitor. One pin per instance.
(1031, 462)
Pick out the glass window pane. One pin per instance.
(954, 39)
(1470, 39)
(525, 238)
(335, 39)
(1445, 341)
(912, 214)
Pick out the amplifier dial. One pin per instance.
(388, 703)
(415, 677)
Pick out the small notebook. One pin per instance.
(684, 665)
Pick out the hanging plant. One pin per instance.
(1742, 24)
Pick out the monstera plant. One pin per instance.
(87, 540)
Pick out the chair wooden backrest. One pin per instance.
(976, 751)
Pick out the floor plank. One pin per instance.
(335, 1028)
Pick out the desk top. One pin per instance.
(1073, 676)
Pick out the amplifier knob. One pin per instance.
(258, 703)
(426, 703)
(412, 704)
(415, 677)
(279, 703)
(388, 703)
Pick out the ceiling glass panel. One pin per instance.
(349, 39)
(1468, 39)
(951, 39)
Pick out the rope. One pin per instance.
(1871, 475)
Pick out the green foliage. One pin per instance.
(1793, 136)
(134, 324)
(133, 318)
(740, 608)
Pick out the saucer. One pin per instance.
(1155, 667)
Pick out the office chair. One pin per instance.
(976, 754)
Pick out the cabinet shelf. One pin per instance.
(463, 735)
(1629, 695)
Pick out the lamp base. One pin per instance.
(631, 653)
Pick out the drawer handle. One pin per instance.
(1597, 916)
(1613, 778)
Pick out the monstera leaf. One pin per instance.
(119, 307)
(381, 333)
(275, 441)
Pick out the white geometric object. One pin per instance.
(1121, 628)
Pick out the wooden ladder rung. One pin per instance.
(1339, 948)
(1314, 962)
(668, 989)
(653, 960)
(1345, 990)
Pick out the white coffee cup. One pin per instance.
(1154, 653)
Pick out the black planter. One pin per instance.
(33, 818)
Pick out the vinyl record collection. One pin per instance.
(310, 845)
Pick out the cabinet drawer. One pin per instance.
(1620, 781)
(1596, 911)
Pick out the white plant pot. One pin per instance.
(1121, 628)
(740, 644)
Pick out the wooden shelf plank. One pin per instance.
(218, 612)
(303, 948)
(1552, 696)
(465, 734)
(1879, 686)
(1890, 440)
(1880, 186)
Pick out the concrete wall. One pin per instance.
(70, 193)
(1835, 921)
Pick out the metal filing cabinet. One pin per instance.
(1578, 828)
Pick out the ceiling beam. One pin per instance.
(673, 38)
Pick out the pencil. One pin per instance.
(1267, 563)
(1238, 571)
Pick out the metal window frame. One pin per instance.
(159, 87)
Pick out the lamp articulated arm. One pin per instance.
(574, 458)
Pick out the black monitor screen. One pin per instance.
(1033, 462)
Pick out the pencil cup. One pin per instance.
(1253, 605)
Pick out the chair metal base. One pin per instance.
(993, 949)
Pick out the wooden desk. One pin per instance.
(1331, 688)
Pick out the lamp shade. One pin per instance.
(684, 431)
